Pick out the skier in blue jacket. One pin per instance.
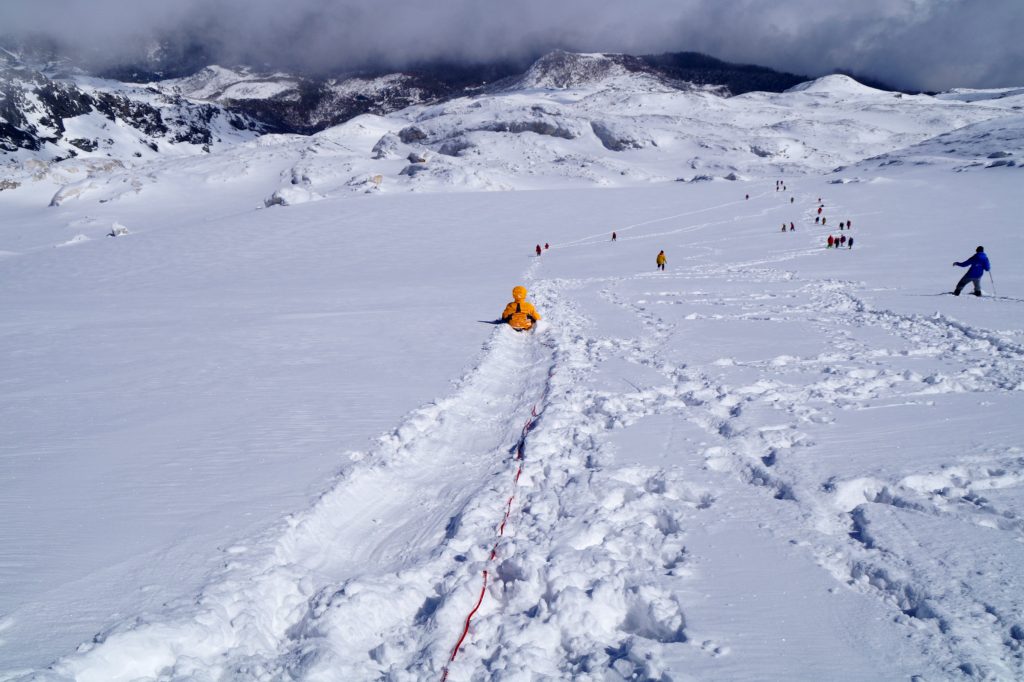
(978, 264)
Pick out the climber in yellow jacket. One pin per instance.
(661, 260)
(520, 314)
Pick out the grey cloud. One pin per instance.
(923, 44)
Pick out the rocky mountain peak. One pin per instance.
(561, 70)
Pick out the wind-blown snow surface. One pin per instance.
(771, 461)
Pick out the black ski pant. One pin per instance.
(976, 281)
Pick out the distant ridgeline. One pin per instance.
(175, 97)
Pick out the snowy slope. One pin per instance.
(732, 471)
(232, 447)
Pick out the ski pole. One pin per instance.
(994, 292)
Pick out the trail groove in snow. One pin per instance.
(346, 566)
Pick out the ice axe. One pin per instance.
(993, 282)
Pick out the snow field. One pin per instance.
(772, 461)
(182, 408)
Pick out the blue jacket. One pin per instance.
(978, 264)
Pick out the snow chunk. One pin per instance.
(291, 195)
(77, 239)
(386, 147)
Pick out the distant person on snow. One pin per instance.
(538, 249)
(783, 227)
(823, 220)
(817, 220)
(849, 243)
(546, 247)
(614, 236)
(978, 264)
(661, 260)
(819, 210)
(748, 196)
(791, 227)
(842, 240)
(791, 200)
(520, 313)
(830, 242)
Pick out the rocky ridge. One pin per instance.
(50, 117)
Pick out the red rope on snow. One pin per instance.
(520, 452)
(465, 628)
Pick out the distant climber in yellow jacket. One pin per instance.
(661, 260)
(520, 314)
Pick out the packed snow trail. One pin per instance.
(519, 454)
(345, 572)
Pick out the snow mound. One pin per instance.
(290, 196)
(77, 239)
(836, 84)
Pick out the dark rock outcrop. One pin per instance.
(34, 108)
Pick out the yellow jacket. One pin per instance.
(520, 314)
(661, 258)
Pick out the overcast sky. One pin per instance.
(915, 44)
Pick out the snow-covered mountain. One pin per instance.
(256, 423)
(44, 119)
(291, 103)
(569, 120)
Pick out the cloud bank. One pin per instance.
(914, 44)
